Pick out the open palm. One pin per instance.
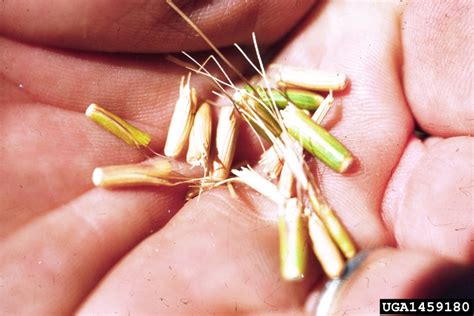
(66, 246)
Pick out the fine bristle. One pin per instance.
(259, 183)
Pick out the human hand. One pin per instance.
(67, 246)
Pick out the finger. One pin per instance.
(134, 87)
(430, 197)
(56, 260)
(149, 26)
(439, 93)
(218, 254)
(12, 92)
(143, 88)
(370, 118)
(389, 273)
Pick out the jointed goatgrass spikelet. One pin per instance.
(334, 226)
(200, 145)
(324, 248)
(316, 140)
(182, 119)
(151, 173)
(293, 240)
(118, 126)
(200, 137)
(290, 76)
(302, 99)
(292, 229)
(226, 138)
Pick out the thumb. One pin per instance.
(389, 273)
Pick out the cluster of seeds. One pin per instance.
(290, 112)
(285, 108)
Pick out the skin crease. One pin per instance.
(66, 246)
